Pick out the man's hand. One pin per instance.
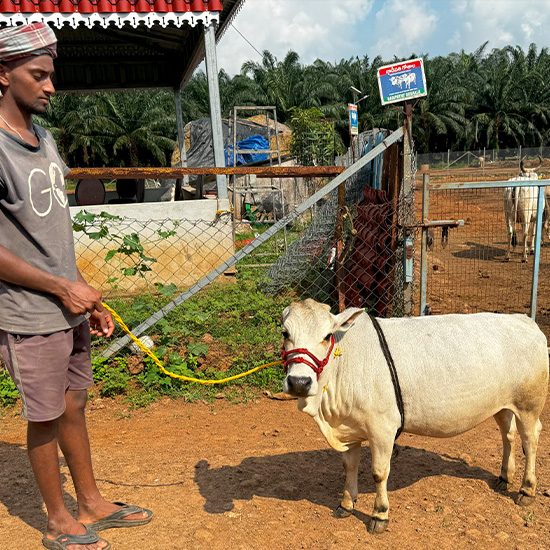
(101, 323)
(80, 298)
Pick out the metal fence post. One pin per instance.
(536, 262)
(424, 246)
(408, 216)
(215, 111)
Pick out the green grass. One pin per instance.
(224, 330)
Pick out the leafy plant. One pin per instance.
(314, 140)
(8, 391)
(127, 248)
(114, 379)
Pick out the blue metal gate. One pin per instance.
(463, 266)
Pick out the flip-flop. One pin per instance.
(62, 541)
(116, 519)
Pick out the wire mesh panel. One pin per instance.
(468, 269)
(121, 255)
(351, 252)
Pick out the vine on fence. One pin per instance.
(97, 226)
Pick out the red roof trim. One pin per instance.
(109, 6)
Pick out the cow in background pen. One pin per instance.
(520, 206)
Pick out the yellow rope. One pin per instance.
(117, 318)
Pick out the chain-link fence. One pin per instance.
(128, 256)
(485, 160)
(479, 265)
(351, 252)
(346, 248)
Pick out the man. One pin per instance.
(47, 310)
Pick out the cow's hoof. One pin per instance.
(525, 500)
(377, 526)
(501, 485)
(342, 512)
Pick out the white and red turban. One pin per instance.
(27, 40)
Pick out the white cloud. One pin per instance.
(339, 29)
(313, 28)
(459, 6)
(504, 22)
(403, 26)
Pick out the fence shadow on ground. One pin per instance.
(317, 476)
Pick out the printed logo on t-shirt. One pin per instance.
(43, 186)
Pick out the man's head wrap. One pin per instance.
(27, 40)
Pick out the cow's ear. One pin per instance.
(286, 311)
(343, 321)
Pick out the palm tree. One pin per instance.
(442, 111)
(76, 127)
(534, 70)
(140, 125)
(278, 83)
(500, 105)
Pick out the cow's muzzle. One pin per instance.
(298, 386)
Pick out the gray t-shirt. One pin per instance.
(35, 224)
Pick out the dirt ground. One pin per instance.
(260, 475)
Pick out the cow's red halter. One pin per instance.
(319, 365)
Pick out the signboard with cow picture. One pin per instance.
(402, 81)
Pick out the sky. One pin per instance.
(333, 30)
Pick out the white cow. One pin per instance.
(409, 79)
(396, 81)
(520, 206)
(454, 372)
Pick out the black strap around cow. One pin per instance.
(393, 372)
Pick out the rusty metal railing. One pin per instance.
(179, 172)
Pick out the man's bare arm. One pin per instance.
(78, 297)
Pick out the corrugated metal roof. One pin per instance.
(121, 44)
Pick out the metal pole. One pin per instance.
(536, 262)
(407, 219)
(424, 247)
(215, 110)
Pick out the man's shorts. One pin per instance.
(45, 366)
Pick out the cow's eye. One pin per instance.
(328, 337)
(285, 334)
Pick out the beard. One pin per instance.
(32, 107)
(37, 108)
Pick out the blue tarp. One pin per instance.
(252, 142)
